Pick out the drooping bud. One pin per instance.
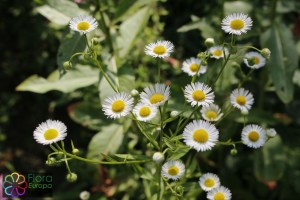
(271, 132)
(71, 177)
(67, 65)
(266, 53)
(174, 113)
(209, 42)
(158, 157)
(134, 93)
(84, 195)
(233, 152)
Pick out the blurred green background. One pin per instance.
(30, 44)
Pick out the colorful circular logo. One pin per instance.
(15, 185)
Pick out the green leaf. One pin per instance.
(60, 11)
(283, 61)
(81, 76)
(108, 140)
(269, 161)
(88, 115)
(71, 43)
(129, 30)
(179, 152)
(233, 6)
(126, 78)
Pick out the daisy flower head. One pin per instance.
(219, 193)
(209, 181)
(236, 23)
(155, 95)
(211, 112)
(254, 60)
(199, 94)
(241, 99)
(144, 112)
(218, 52)
(173, 169)
(253, 136)
(50, 131)
(83, 24)
(117, 105)
(200, 135)
(159, 49)
(192, 66)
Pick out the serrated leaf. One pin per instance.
(81, 76)
(129, 30)
(107, 141)
(71, 43)
(269, 161)
(283, 61)
(88, 115)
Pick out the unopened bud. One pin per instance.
(235, 65)
(95, 41)
(203, 63)
(209, 42)
(84, 195)
(233, 152)
(75, 151)
(134, 93)
(158, 157)
(174, 113)
(266, 53)
(271, 132)
(244, 112)
(67, 65)
(71, 177)
(51, 161)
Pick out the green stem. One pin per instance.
(105, 76)
(87, 42)
(161, 128)
(187, 120)
(223, 67)
(250, 47)
(158, 70)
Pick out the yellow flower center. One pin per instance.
(241, 100)
(200, 135)
(209, 182)
(198, 95)
(211, 114)
(145, 111)
(118, 106)
(156, 98)
(237, 24)
(253, 136)
(50, 134)
(219, 196)
(173, 170)
(83, 26)
(256, 61)
(194, 67)
(160, 50)
(217, 52)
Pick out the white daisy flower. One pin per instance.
(219, 193)
(200, 135)
(211, 112)
(254, 60)
(192, 66)
(241, 99)
(271, 132)
(199, 94)
(218, 52)
(160, 49)
(144, 112)
(155, 95)
(50, 131)
(83, 24)
(253, 136)
(236, 23)
(173, 169)
(117, 105)
(209, 181)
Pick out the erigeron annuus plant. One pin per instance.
(193, 128)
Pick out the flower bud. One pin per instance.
(84, 195)
(51, 161)
(67, 65)
(71, 177)
(271, 132)
(134, 93)
(235, 65)
(158, 157)
(203, 63)
(233, 152)
(174, 113)
(209, 42)
(266, 53)
(75, 151)
(95, 41)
